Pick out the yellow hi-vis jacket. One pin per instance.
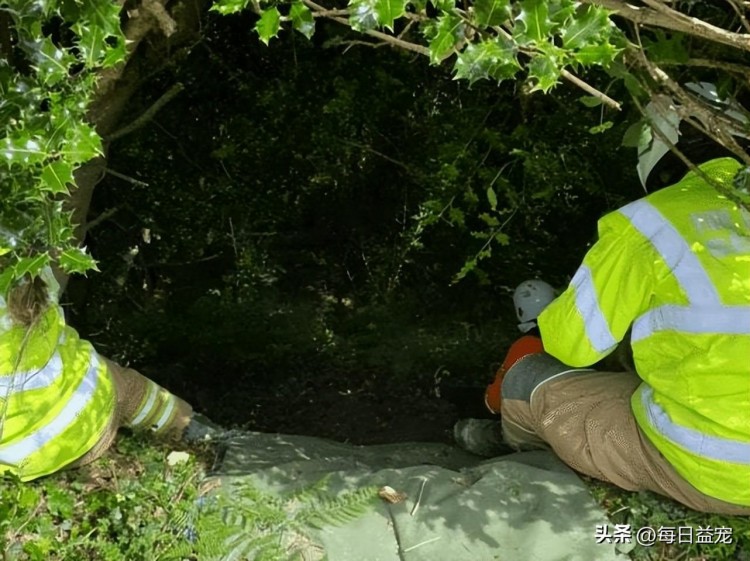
(675, 265)
(56, 396)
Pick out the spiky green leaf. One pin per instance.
(226, 7)
(544, 72)
(363, 15)
(56, 176)
(302, 19)
(450, 30)
(533, 22)
(491, 12)
(22, 148)
(388, 11)
(268, 25)
(76, 260)
(590, 24)
(31, 265)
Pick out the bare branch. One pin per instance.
(148, 114)
(658, 14)
(134, 181)
(591, 90)
(394, 41)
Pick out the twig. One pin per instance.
(396, 42)
(738, 10)
(127, 178)
(148, 114)
(591, 90)
(420, 544)
(91, 224)
(419, 498)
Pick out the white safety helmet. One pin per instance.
(529, 299)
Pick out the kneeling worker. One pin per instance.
(61, 403)
(675, 266)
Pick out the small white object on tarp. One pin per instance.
(452, 506)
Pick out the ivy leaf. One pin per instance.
(491, 12)
(449, 31)
(362, 15)
(76, 260)
(589, 25)
(56, 176)
(268, 25)
(226, 7)
(492, 197)
(535, 24)
(302, 19)
(31, 265)
(22, 148)
(388, 11)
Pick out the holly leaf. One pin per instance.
(31, 265)
(22, 148)
(51, 63)
(115, 55)
(544, 70)
(533, 20)
(103, 15)
(589, 25)
(226, 7)
(388, 11)
(599, 55)
(448, 32)
(491, 12)
(76, 260)
(489, 59)
(268, 25)
(91, 43)
(56, 177)
(302, 19)
(81, 143)
(362, 15)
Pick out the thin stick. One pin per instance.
(148, 114)
(419, 498)
(127, 178)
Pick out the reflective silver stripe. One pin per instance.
(725, 320)
(597, 328)
(700, 444)
(169, 408)
(33, 379)
(675, 251)
(145, 411)
(13, 454)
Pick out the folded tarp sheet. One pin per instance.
(527, 506)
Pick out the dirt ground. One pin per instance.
(363, 408)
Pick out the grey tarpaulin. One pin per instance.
(526, 506)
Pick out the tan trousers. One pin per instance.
(585, 417)
(141, 404)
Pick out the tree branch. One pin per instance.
(148, 114)
(658, 14)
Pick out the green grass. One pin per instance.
(645, 509)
